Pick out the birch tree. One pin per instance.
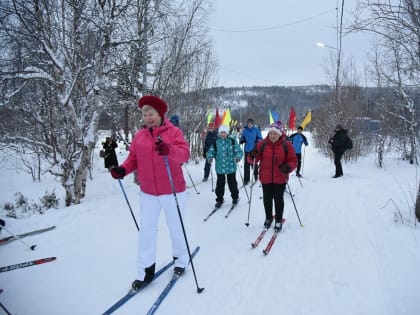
(396, 61)
(53, 71)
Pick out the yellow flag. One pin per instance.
(306, 120)
(209, 116)
(226, 118)
(270, 117)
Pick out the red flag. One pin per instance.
(217, 120)
(292, 119)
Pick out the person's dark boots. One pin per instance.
(150, 273)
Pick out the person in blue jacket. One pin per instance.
(297, 139)
(175, 120)
(250, 136)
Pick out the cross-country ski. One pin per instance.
(27, 264)
(168, 288)
(15, 237)
(232, 207)
(131, 293)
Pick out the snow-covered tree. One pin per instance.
(395, 63)
(53, 68)
(65, 62)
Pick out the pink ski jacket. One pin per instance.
(151, 170)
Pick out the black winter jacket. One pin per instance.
(211, 138)
(340, 142)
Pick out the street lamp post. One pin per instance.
(337, 73)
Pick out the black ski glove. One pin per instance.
(285, 168)
(118, 172)
(254, 153)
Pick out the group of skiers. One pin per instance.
(271, 159)
(157, 153)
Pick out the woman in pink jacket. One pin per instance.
(277, 159)
(158, 139)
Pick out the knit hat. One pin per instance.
(223, 128)
(276, 127)
(250, 120)
(154, 101)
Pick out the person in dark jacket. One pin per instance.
(277, 159)
(250, 136)
(110, 158)
(297, 139)
(340, 142)
(211, 137)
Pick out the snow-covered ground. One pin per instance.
(352, 256)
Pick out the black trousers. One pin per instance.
(273, 192)
(337, 162)
(207, 167)
(247, 167)
(299, 165)
(220, 186)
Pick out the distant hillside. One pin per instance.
(254, 102)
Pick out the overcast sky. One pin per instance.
(273, 42)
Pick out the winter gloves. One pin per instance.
(285, 168)
(254, 153)
(163, 148)
(118, 172)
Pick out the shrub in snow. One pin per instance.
(49, 201)
(21, 206)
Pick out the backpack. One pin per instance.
(233, 146)
(286, 150)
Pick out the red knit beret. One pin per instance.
(154, 101)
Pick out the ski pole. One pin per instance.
(171, 181)
(303, 160)
(211, 174)
(5, 309)
(128, 203)
(189, 175)
(16, 237)
(300, 181)
(291, 196)
(250, 195)
(243, 183)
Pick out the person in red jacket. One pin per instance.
(277, 159)
(158, 139)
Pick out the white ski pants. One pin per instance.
(149, 219)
